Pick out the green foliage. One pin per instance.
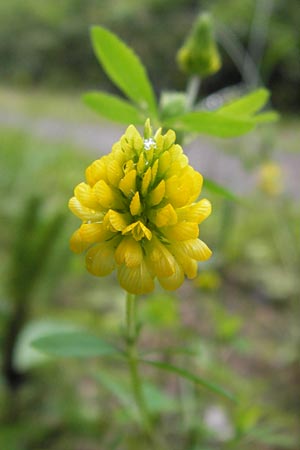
(248, 105)
(32, 247)
(113, 108)
(191, 377)
(255, 263)
(54, 45)
(236, 350)
(161, 311)
(157, 400)
(75, 344)
(126, 71)
(212, 124)
(124, 68)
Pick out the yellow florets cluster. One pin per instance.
(140, 213)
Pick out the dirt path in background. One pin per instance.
(203, 153)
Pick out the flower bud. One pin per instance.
(199, 54)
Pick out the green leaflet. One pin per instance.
(114, 108)
(190, 376)
(211, 123)
(124, 68)
(75, 344)
(248, 105)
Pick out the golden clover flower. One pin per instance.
(140, 213)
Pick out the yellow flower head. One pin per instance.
(140, 213)
(271, 179)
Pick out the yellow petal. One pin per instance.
(114, 172)
(128, 166)
(188, 264)
(84, 213)
(131, 134)
(138, 231)
(96, 171)
(165, 216)
(169, 139)
(190, 268)
(178, 191)
(156, 196)
(129, 251)
(138, 143)
(135, 205)
(174, 281)
(177, 154)
(154, 170)
(136, 280)
(159, 140)
(160, 260)
(76, 243)
(149, 156)
(141, 164)
(94, 232)
(100, 259)
(128, 183)
(115, 221)
(126, 147)
(105, 195)
(197, 182)
(146, 181)
(196, 212)
(196, 249)
(174, 169)
(164, 163)
(84, 193)
(182, 231)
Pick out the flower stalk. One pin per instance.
(132, 355)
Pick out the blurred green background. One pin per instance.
(238, 323)
(47, 43)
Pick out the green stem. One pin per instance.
(192, 91)
(132, 355)
(156, 442)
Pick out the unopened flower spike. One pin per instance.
(140, 213)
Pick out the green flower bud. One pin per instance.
(199, 54)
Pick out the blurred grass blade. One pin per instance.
(114, 108)
(212, 123)
(156, 399)
(120, 389)
(75, 344)
(192, 377)
(124, 68)
(246, 105)
(219, 190)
